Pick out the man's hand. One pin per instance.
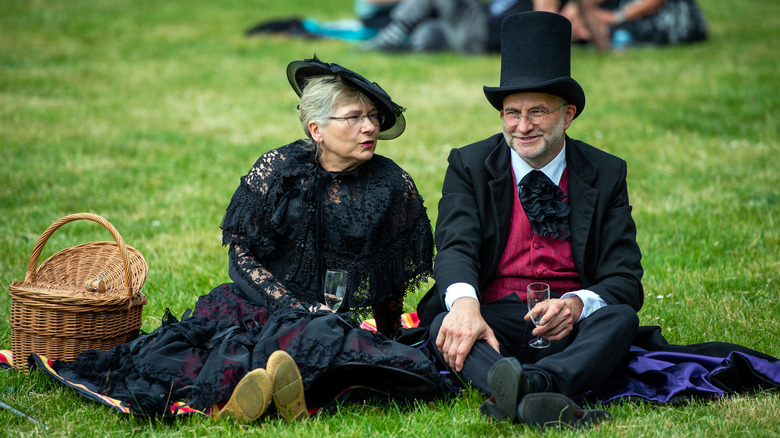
(463, 326)
(558, 317)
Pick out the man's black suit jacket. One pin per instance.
(474, 215)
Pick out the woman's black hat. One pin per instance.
(393, 126)
(536, 57)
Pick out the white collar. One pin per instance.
(553, 169)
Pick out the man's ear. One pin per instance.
(571, 111)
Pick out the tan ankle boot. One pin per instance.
(287, 387)
(251, 397)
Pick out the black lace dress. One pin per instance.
(289, 221)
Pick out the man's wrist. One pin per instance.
(458, 290)
(465, 301)
(590, 301)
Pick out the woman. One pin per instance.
(325, 202)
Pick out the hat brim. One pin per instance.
(564, 87)
(395, 123)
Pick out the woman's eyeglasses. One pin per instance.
(376, 118)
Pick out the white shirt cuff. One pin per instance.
(590, 301)
(458, 290)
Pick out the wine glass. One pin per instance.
(537, 292)
(335, 287)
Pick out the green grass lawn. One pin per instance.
(147, 113)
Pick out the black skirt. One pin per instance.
(197, 361)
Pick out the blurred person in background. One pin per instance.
(616, 24)
(462, 26)
(372, 15)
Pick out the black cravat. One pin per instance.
(545, 205)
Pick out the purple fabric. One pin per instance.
(669, 377)
(770, 370)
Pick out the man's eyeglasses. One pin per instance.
(535, 116)
(376, 118)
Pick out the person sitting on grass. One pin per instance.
(461, 26)
(531, 205)
(327, 202)
(615, 24)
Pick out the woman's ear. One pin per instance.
(315, 132)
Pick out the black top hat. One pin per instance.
(536, 57)
(394, 124)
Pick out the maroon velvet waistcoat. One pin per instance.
(528, 258)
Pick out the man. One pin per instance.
(533, 205)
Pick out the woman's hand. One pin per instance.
(314, 308)
(319, 307)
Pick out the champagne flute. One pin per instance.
(335, 288)
(537, 292)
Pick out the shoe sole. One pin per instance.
(545, 409)
(251, 397)
(506, 380)
(288, 393)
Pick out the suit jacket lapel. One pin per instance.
(502, 191)
(582, 199)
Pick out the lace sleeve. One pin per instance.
(256, 281)
(411, 221)
(263, 225)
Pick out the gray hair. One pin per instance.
(321, 96)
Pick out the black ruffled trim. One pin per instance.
(546, 206)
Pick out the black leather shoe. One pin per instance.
(545, 409)
(489, 409)
(507, 383)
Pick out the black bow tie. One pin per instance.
(545, 205)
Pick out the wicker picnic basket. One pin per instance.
(81, 298)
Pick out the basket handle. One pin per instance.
(32, 267)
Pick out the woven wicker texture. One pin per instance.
(84, 297)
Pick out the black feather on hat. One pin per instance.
(536, 57)
(394, 125)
